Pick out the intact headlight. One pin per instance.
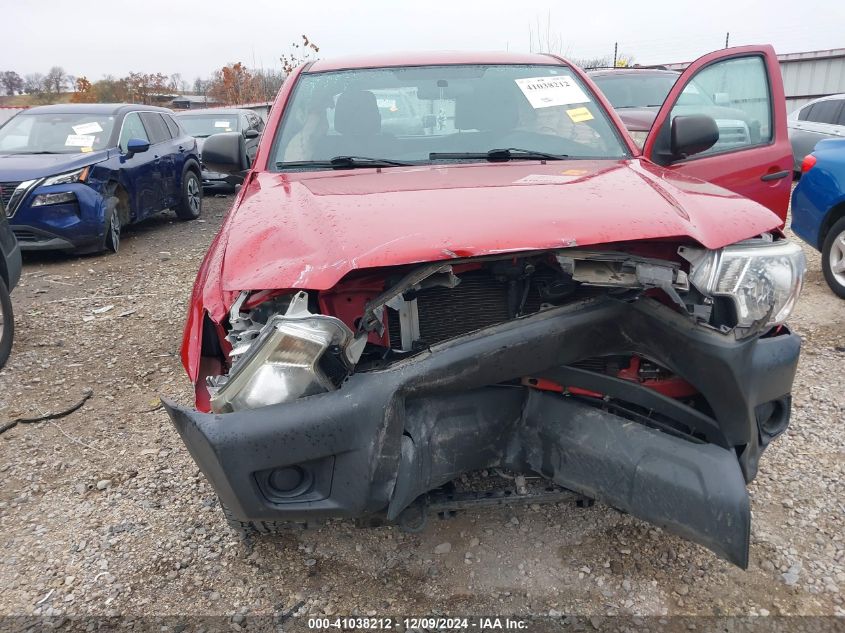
(79, 175)
(296, 354)
(44, 199)
(763, 279)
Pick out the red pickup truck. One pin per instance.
(443, 263)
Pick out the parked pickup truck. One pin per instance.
(518, 287)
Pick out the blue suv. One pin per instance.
(71, 176)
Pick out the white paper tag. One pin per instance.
(87, 128)
(545, 92)
(222, 124)
(79, 140)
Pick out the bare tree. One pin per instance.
(11, 82)
(35, 85)
(201, 86)
(56, 80)
(542, 40)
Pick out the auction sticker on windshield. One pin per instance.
(79, 140)
(545, 92)
(88, 128)
(580, 114)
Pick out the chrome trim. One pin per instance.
(19, 195)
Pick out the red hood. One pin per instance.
(308, 230)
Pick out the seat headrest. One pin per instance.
(356, 112)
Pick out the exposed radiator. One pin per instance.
(479, 301)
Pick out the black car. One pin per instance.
(205, 122)
(10, 273)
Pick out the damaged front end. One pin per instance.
(647, 377)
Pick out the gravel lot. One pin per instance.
(103, 511)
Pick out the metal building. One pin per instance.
(812, 74)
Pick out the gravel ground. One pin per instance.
(103, 511)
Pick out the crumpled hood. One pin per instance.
(308, 230)
(17, 167)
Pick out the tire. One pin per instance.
(247, 529)
(190, 202)
(113, 227)
(833, 258)
(7, 324)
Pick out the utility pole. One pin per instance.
(615, 50)
(727, 38)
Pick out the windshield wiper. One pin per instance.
(345, 162)
(494, 155)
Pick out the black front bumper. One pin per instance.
(386, 437)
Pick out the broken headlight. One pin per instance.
(295, 355)
(761, 278)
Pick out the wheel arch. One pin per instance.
(191, 164)
(124, 200)
(4, 272)
(834, 214)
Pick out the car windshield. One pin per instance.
(203, 125)
(434, 114)
(639, 89)
(56, 133)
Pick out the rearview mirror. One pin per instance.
(692, 134)
(136, 146)
(223, 152)
(251, 133)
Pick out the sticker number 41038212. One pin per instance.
(545, 92)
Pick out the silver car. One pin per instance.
(820, 119)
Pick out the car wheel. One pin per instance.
(113, 230)
(190, 203)
(7, 324)
(833, 258)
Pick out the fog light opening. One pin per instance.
(290, 481)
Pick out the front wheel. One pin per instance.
(113, 229)
(7, 324)
(833, 258)
(190, 202)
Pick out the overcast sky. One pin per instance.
(95, 37)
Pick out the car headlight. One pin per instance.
(80, 175)
(44, 199)
(762, 278)
(293, 356)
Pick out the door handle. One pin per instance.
(775, 176)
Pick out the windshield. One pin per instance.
(203, 125)
(645, 90)
(59, 133)
(414, 114)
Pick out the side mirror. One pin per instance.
(224, 152)
(136, 146)
(692, 134)
(251, 133)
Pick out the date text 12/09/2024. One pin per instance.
(480, 623)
